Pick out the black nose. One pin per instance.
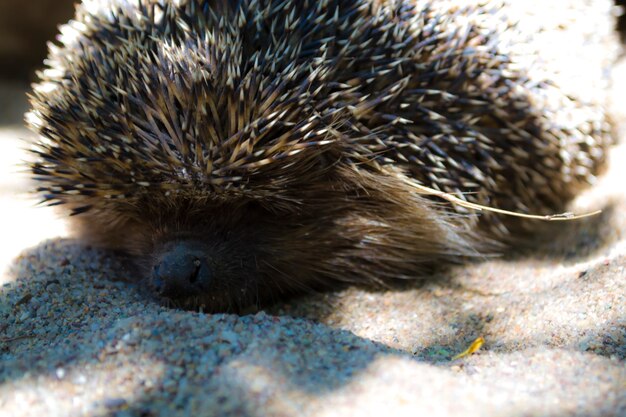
(180, 271)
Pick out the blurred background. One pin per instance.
(25, 28)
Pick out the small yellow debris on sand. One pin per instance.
(476, 344)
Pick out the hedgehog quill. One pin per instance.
(240, 152)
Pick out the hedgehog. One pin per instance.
(243, 152)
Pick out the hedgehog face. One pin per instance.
(227, 254)
(208, 266)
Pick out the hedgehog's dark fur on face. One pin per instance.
(242, 151)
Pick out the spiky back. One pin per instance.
(251, 99)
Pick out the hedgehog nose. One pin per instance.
(180, 273)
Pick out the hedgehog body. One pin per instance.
(243, 151)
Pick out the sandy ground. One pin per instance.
(76, 342)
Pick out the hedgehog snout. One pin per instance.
(181, 270)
